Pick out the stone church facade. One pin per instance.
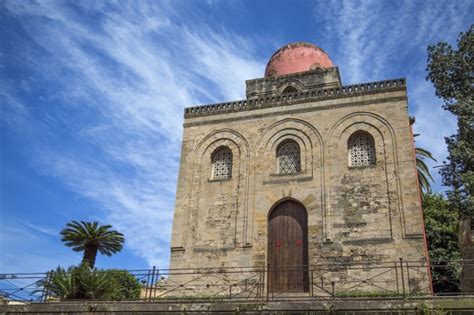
(304, 171)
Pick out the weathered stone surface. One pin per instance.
(448, 305)
(368, 214)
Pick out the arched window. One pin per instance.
(289, 158)
(221, 164)
(290, 89)
(361, 149)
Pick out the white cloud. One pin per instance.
(374, 39)
(128, 71)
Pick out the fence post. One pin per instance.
(408, 278)
(403, 277)
(311, 283)
(268, 281)
(333, 284)
(396, 277)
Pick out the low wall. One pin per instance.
(438, 305)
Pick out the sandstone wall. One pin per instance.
(370, 214)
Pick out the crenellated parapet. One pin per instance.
(298, 97)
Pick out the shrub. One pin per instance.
(83, 283)
(127, 287)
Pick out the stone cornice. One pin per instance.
(294, 111)
(292, 98)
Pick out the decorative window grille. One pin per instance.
(361, 150)
(288, 156)
(222, 164)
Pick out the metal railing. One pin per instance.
(329, 280)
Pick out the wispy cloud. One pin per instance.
(42, 251)
(129, 91)
(381, 40)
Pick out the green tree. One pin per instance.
(441, 232)
(452, 73)
(127, 286)
(422, 169)
(91, 238)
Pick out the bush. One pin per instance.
(82, 283)
(127, 287)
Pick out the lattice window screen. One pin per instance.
(289, 160)
(222, 164)
(361, 150)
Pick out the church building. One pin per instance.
(304, 172)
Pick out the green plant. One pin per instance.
(92, 238)
(127, 287)
(451, 72)
(79, 283)
(441, 233)
(422, 169)
(83, 283)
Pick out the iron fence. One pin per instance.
(329, 280)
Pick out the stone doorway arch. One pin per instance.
(288, 247)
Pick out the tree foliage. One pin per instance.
(452, 73)
(441, 232)
(84, 283)
(424, 175)
(127, 286)
(79, 283)
(92, 238)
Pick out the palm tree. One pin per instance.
(90, 238)
(422, 169)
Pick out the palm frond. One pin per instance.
(91, 237)
(424, 175)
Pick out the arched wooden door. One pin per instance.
(288, 248)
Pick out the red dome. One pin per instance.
(297, 57)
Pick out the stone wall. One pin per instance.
(448, 305)
(371, 214)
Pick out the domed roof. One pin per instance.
(297, 57)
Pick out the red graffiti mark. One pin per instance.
(299, 242)
(278, 243)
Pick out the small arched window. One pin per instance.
(221, 164)
(290, 89)
(361, 149)
(289, 157)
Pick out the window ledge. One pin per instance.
(286, 178)
(219, 180)
(287, 174)
(362, 167)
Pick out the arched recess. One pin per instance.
(265, 178)
(295, 84)
(227, 198)
(379, 179)
(289, 89)
(300, 131)
(288, 247)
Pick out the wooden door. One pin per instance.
(288, 248)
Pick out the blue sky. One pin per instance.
(92, 96)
